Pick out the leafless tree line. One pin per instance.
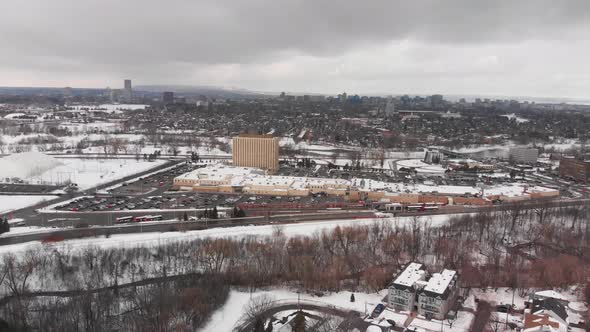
(544, 247)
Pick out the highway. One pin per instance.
(278, 219)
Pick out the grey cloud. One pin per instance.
(178, 39)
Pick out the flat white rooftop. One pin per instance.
(439, 282)
(411, 274)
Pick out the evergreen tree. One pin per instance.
(352, 297)
(258, 326)
(298, 323)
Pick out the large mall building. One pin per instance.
(221, 178)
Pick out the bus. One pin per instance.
(148, 218)
(123, 220)
(423, 207)
(415, 207)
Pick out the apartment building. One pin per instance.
(260, 151)
(438, 296)
(414, 291)
(524, 155)
(403, 290)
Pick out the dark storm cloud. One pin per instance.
(168, 39)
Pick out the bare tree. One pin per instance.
(257, 309)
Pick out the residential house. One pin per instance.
(438, 296)
(403, 290)
(546, 315)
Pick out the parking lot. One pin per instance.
(155, 184)
(186, 200)
(167, 201)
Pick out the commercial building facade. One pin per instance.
(524, 155)
(231, 179)
(260, 151)
(578, 170)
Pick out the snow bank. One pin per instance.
(156, 239)
(9, 203)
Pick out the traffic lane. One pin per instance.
(174, 226)
(71, 219)
(104, 218)
(197, 225)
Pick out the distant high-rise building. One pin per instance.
(389, 108)
(128, 91)
(523, 155)
(436, 100)
(68, 92)
(109, 93)
(260, 151)
(343, 97)
(168, 97)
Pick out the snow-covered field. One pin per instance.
(92, 172)
(38, 168)
(9, 203)
(155, 239)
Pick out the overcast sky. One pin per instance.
(519, 48)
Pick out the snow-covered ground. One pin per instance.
(420, 166)
(107, 127)
(92, 172)
(155, 239)
(9, 203)
(16, 230)
(109, 108)
(38, 168)
(515, 117)
(226, 317)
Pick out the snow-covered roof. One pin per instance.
(411, 274)
(439, 282)
(248, 176)
(551, 294)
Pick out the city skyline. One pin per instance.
(525, 48)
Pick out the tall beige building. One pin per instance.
(261, 151)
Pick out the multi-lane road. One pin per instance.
(309, 216)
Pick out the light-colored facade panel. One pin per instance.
(259, 151)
